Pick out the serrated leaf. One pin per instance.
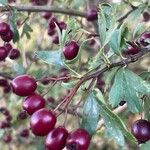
(26, 31)
(51, 57)
(129, 87)
(114, 125)
(90, 114)
(145, 146)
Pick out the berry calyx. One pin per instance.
(3, 53)
(33, 103)
(4, 28)
(23, 85)
(141, 130)
(144, 39)
(56, 139)
(91, 14)
(71, 50)
(14, 54)
(78, 139)
(8, 37)
(42, 122)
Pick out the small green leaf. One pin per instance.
(18, 68)
(51, 57)
(114, 125)
(129, 87)
(26, 31)
(90, 114)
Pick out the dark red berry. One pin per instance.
(8, 37)
(45, 81)
(131, 51)
(56, 139)
(100, 84)
(62, 25)
(8, 47)
(146, 16)
(47, 15)
(5, 124)
(52, 23)
(55, 40)
(51, 32)
(24, 133)
(23, 85)
(39, 2)
(3, 82)
(78, 140)
(6, 112)
(22, 115)
(7, 138)
(3, 53)
(42, 122)
(14, 54)
(7, 88)
(91, 14)
(141, 130)
(33, 103)
(144, 39)
(9, 118)
(11, 1)
(4, 28)
(71, 50)
(50, 99)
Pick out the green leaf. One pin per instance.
(18, 68)
(129, 87)
(3, 2)
(147, 107)
(145, 146)
(114, 125)
(51, 57)
(68, 85)
(90, 114)
(145, 75)
(26, 31)
(102, 26)
(13, 25)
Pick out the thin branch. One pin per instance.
(44, 9)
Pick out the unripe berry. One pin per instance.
(33, 103)
(71, 50)
(42, 122)
(23, 85)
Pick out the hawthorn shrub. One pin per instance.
(74, 75)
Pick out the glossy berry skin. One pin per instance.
(14, 54)
(23, 85)
(8, 47)
(4, 28)
(33, 103)
(42, 122)
(141, 130)
(145, 36)
(131, 51)
(56, 139)
(78, 140)
(3, 53)
(8, 37)
(71, 50)
(91, 14)
(47, 15)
